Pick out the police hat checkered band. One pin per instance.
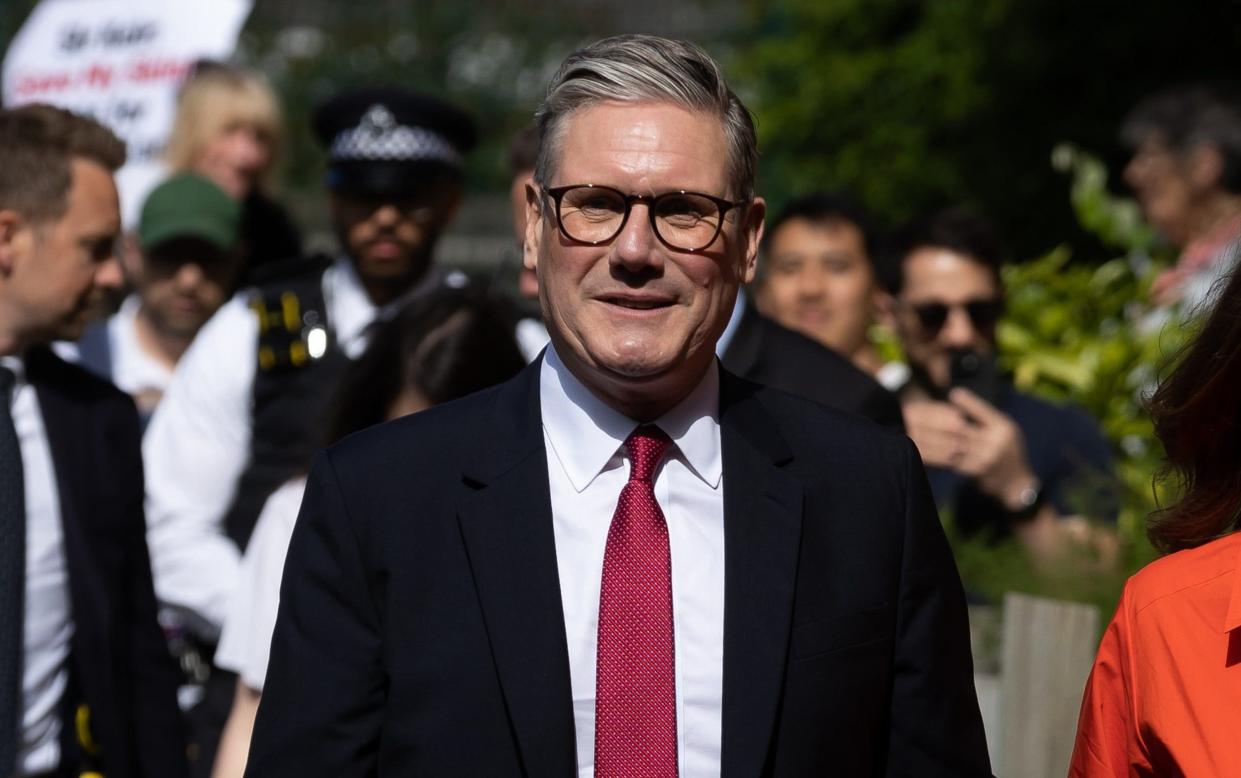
(379, 137)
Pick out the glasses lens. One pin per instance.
(931, 316)
(983, 313)
(592, 214)
(686, 220)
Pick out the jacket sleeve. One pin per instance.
(1106, 719)
(936, 727)
(322, 702)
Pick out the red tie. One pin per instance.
(635, 692)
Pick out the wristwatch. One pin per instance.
(1029, 502)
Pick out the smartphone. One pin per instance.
(977, 373)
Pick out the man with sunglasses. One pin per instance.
(1001, 462)
(625, 561)
(242, 414)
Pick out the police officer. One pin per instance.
(239, 417)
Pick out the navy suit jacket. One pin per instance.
(120, 668)
(421, 631)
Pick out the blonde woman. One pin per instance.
(229, 128)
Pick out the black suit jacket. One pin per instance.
(767, 353)
(421, 630)
(119, 662)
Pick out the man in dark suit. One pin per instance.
(86, 683)
(767, 353)
(626, 561)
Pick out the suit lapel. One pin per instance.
(762, 531)
(65, 426)
(507, 526)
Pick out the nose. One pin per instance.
(386, 215)
(810, 283)
(189, 275)
(249, 150)
(108, 274)
(636, 248)
(958, 331)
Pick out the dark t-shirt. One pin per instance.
(1067, 452)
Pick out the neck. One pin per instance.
(11, 341)
(1213, 214)
(866, 357)
(162, 345)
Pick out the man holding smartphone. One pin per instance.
(1000, 462)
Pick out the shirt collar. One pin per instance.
(350, 310)
(1233, 619)
(585, 433)
(18, 366)
(734, 321)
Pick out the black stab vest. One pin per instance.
(299, 366)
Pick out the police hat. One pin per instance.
(388, 140)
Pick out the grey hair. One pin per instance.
(632, 68)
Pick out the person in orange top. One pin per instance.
(1164, 697)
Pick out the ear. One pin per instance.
(451, 206)
(752, 236)
(131, 256)
(883, 305)
(534, 227)
(15, 234)
(1205, 166)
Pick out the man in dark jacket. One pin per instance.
(86, 683)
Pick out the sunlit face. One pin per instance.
(936, 276)
(633, 319)
(59, 271)
(1162, 183)
(235, 158)
(184, 281)
(819, 281)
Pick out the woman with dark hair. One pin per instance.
(434, 350)
(1164, 697)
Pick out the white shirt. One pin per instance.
(48, 621)
(245, 643)
(587, 468)
(198, 444)
(134, 371)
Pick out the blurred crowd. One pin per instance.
(244, 355)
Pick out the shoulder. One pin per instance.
(443, 436)
(74, 381)
(826, 435)
(1184, 574)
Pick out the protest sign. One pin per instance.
(120, 61)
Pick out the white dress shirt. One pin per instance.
(587, 468)
(245, 643)
(198, 444)
(48, 619)
(134, 371)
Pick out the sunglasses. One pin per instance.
(983, 313)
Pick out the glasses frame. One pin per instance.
(557, 193)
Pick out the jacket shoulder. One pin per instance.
(73, 381)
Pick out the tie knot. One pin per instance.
(646, 446)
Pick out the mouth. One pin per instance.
(631, 302)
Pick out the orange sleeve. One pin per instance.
(1104, 727)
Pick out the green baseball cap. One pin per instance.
(188, 205)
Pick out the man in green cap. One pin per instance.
(185, 268)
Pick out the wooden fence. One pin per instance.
(1031, 664)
